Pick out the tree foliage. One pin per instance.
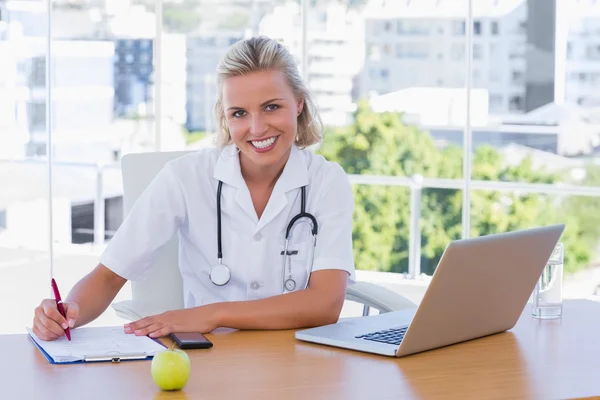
(381, 144)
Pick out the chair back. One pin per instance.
(162, 289)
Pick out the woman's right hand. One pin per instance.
(48, 324)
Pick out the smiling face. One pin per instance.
(261, 113)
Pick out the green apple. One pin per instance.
(171, 369)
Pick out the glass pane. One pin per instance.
(541, 125)
(24, 222)
(196, 36)
(104, 106)
(495, 212)
(542, 116)
(389, 79)
(441, 223)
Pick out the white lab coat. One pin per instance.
(182, 199)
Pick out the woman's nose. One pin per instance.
(258, 126)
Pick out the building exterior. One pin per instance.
(205, 48)
(81, 102)
(335, 48)
(422, 43)
(133, 75)
(582, 53)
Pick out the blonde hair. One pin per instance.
(259, 54)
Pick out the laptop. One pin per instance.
(480, 287)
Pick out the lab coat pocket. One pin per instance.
(298, 264)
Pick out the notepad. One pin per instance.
(97, 344)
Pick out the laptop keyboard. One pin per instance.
(391, 336)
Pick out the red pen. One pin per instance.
(59, 304)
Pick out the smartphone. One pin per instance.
(191, 340)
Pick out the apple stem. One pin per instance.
(173, 346)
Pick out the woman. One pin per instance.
(259, 178)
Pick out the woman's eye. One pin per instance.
(272, 107)
(238, 114)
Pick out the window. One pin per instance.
(477, 51)
(517, 77)
(495, 102)
(495, 74)
(476, 77)
(410, 27)
(37, 77)
(516, 103)
(459, 28)
(493, 49)
(522, 30)
(2, 220)
(105, 104)
(593, 52)
(412, 50)
(373, 52)
(457, 52)
(477, 28)
(494, 28)
(37, 116)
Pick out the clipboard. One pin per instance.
(112, 347)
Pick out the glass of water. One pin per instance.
(547, 295)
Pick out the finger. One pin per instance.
(43, 333)
(139, 324)
(37, 333)
(161, 332)
(72, 312)
(148, 330)
(51, 312)
(49, 324)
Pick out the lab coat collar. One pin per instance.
(227, 168)
(293, 176)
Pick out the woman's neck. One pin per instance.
(261, 176)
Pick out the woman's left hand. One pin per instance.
(199, 319)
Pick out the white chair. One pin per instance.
(162, 290)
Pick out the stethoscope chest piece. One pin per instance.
(220, 274)
(290, 284)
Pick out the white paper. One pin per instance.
(97, 342)
(133, 310)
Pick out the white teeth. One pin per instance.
(263, 143)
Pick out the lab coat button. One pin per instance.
(258, 236)
(254, 285)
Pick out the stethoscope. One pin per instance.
(220, 274)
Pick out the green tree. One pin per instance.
(193, 136)
(182, 17)
(381, 144)
(583, 226)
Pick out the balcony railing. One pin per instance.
(415, 183)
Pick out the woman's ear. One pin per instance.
(300, 106)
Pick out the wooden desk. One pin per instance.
(537, 359)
